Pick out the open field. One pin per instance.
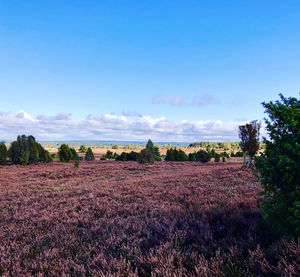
(112, 218)
(101, 151)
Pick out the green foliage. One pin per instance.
(74, 154)
(146, 157)
(192, 157)
(223, 159)
(224, 154)
(122, 157)
(3, 154)
(89, 155)
(109, 155)
(179, 155)
(25, 150)
(82, 149)
(76, 163)
(217, 157)
(153, 150)
(237, 154)
(176, 155)
(279, 166)
(249, 135)
(133, 156)
(115, 146)
(64, 153)
(202, 156)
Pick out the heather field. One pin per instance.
(111, 218)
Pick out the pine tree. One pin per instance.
(89, 155)
(64, 153)
(3, 154)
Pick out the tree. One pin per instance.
(82, 149)
(34, 150)
(203, 156)
(64, 153)
(74, 154)
(146, 157)
(3, 154)
(243, 135)
(122, 157)
(217, 157)
(249, 135)
(153, 150)
(170, 156)
(279, 166)
(89, 155)
(181, 156)
(253, 143)
(25, 150)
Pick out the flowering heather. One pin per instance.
(130, 219)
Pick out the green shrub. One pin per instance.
(109, 155)
(181, 156)
(238, 154)
(122, 157)
(176, 155)
(3, 154)
(202, 156)
(25, 150)
(64, 153)
(145, 157)
(74, 153)
(217, 157)
(76, 163)
(153, 150)
(133, 156)
(89, 155)
(224, 155)
(103, 158)
(192, 157)
(115, 146)
(82, 149)
(279, 166)
(170, 155)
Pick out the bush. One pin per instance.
(279, 166)
(224, 155)
(217, 157)
(25, 150)
(202, 156)
(89, 155)
(3, 154)
(122, 157)
(108, 155)
(103, 158)
(238, 154)
(153, 150)
(145, 157)
(192, 157)
(76, 163)
(176, 155)
(65, 153)
(133, 156)
(115, 146)
(181, 156)
(74, 154)
(82, 149)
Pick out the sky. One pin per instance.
(129, 70)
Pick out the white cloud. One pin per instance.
(113, 127)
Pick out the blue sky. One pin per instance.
(155, 64)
